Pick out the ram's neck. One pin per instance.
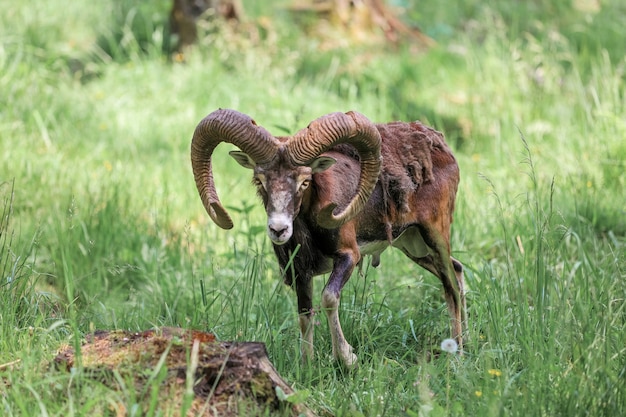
(335, 185)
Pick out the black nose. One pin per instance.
(278, 231)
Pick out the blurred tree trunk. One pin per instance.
(185, 14)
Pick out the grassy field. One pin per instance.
(102, 228)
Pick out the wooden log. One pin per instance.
(215, 378)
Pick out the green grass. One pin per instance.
(101, 226)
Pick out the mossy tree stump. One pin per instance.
(195, 374)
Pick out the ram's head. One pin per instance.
(283, 166)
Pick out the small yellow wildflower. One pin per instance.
(494, 372)
(478, 393)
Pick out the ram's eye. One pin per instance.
(257, 182)
(305, 184)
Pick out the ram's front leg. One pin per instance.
(304, 291)
(342, 269)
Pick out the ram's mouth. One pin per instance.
(279, 242)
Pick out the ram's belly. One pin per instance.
(410, 242)
(373, 248)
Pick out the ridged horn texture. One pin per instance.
(330, 130)
(225, 126)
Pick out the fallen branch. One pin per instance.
(9, 364)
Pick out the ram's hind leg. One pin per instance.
(460, 279)
(437, 260)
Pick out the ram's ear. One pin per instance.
(322, 163)
(243, 159)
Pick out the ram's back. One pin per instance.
(413, 155)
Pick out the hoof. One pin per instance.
(351, 362)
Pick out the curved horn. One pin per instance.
(225, 126)
(331, 130)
